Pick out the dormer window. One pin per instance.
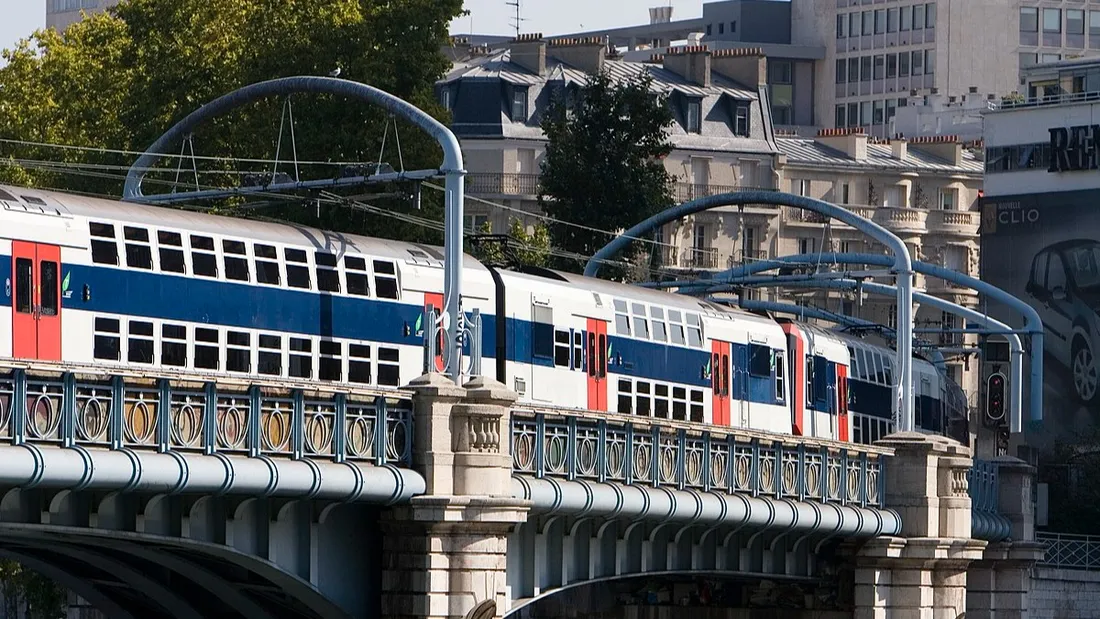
(740, 119)
(519, 104)
(445, 98)
(694, 116)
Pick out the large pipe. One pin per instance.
(901, 261)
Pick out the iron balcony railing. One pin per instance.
(680, 455)
(685, 192)
(1075, 552)
(487, 183)
(699, 258)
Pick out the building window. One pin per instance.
(1075, 21)
(878, 111)
(949, 199)
(519, 105)
(722, 28)
(868, 23)
(930, 15)
(1029, 19)
(709, 30)
(841, 116)
(903, 64)
(929, 61)
(1028, 59)
(891, 66)
(918, 63)
(892, 197)
(802, 187)
(474, 223)
(748, 173)
(841, 26)
(733, 27)
(918, 17)
(865, 113)
(807, 245)
(1094, 22)
(741, 120)
(1052, 20)
(880, 67)
(694, 114)
(891, 20)
(865, 69)
(1045, 58)
(445, 98)
(891, 109)
(841, 71)
(906, 19)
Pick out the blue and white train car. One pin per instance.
(820, 367)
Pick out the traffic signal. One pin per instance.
(995, 396)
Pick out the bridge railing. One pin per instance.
(609, 447)
(1075, 552)
(92, 406)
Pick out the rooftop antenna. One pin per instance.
(518, 19)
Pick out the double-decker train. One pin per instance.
(92, 281)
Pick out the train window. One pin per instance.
(267, 265)
(328, 278)
(626, 396)
(641, 325)
(578, 350)
(677, 334)
(542, 332)
(269, 361)
(140, 348)
(301, 357)
(103, 252)
(236, 260)
(562, 347)
(389, 367)
(173, 345)
(238, 351)
(679, 403)
(359, 364)
(49, 283)
(642, 400)
(780, 377)
(695, 331)
(203, 261)
(355, 272)
(385, 280)
(331, 365)
(809, 381)
(660, 401)
(138, 253)
(888, 369)
(297, 274)
(760, 360)
(170, 248)
(697, 405)
(207, 354)
(821, 372)
(660, 329)
(24, 284)
(622, 321)
(108, 340)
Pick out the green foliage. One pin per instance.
(28, 590)
(519, 248)
(120, 79)
(603, 165)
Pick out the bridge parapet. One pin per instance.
(85, 427)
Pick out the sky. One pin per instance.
(19, 18)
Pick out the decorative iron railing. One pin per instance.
(67, 405)
(1075, 552)
(617, 448)
(489, 183)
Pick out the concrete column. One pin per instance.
(922, 573)
(1001, 580)
(445, 554)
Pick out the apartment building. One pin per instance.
(62, 13)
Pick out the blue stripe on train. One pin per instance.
(197, 300)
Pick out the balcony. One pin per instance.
(902, 220)
(497, 184)
(797, 216)
(745, 257)
(686, 192)
(954, 223)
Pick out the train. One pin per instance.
(118, 284)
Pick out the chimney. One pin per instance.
(529, 52)
(946, 147)
(585, 54)
(691, 63)
(852, 142)
(746, 65)
(899, 147)
(660, 15)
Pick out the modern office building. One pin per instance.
(61, 13)
(859, 61)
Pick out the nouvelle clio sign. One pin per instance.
(1074, 148)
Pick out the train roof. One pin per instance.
(62, 204)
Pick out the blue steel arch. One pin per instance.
(902, 265)
(1033, 325)
(452, 169)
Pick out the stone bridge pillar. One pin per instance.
(922, 573)
(445, 553)
(1000, 582)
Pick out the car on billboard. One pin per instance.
(1065, 280)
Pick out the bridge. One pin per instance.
(288, 500)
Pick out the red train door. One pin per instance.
(597, 364)
(36, 292)
(720, 382)
(796, 353)
(435, 299)
(842, 404)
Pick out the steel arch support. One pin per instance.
(902, 265)
(84, 589)
(452, 170)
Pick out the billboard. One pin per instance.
(1044, 248)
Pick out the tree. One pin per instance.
(603, 165)
(118, 80)
(517, 248)
(30, 594)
